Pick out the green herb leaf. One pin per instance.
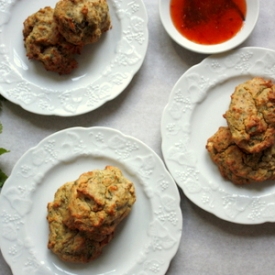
(3, 178)
(3, 151)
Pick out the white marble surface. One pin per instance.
(208, 245)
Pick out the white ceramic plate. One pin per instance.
(146, 240)
(241, 36)
(105, 68)
(194, 112)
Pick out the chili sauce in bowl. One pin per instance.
(209, 26)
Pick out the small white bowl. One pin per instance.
(252, 14)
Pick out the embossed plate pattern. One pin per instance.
(145, 242)
(194, 112)
(105, 68)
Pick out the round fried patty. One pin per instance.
(100, 200)
(44, 43)
(82, 21)
(237, 165)
(251, 115)
(68, 244)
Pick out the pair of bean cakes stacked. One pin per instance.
(245, 150)
(85, 213)
(54, 36)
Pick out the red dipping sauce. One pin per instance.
(208, 22)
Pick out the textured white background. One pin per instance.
(209, 246)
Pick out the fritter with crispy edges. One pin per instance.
(85, 213)
(100, 200)
(251, 115)
(237, 165)
(82, 22)
(70, 245)
(44, 43)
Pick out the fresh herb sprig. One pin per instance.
(3, 176)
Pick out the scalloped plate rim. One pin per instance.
(166, 255)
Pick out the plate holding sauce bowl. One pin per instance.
(250, 15)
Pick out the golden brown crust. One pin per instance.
(100, 200)
(44, 43)
(237, 165)
(82, 22)
(70, 245)
(84, 214)
(251, 115)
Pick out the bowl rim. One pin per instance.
(252, 14)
